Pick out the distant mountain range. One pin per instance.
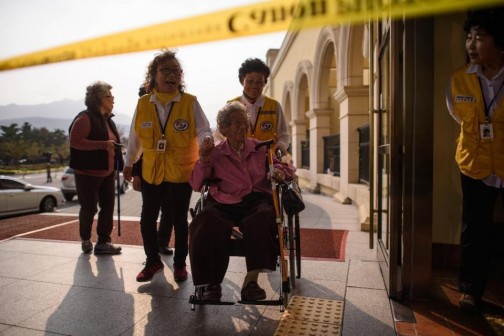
(55, 115)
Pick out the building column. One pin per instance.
(319, 127)
(298, 134)
(354, 107)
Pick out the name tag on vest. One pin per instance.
(464, 99)
(146, 124)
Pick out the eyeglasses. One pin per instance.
(169, 71)
(252, 82)
(109, 96)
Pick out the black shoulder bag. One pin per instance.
(291, 198)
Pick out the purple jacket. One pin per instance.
(236, 178)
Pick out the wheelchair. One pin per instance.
(288, 240)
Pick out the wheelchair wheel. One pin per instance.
(197, 296)
(196, 210)
(292, 251)
(290, 233)
(297, 239)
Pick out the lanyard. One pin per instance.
(487, 107)
(163, 127)
(257, 118)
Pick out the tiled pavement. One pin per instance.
(50, 288)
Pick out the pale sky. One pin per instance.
(210, 69)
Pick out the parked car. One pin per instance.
(68, 184)
(18, 197)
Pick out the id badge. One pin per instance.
(161, 145)
(486, 132)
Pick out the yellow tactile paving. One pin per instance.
(295, 327)
(315, 309)
(311, 316)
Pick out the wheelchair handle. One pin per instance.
(265, 143)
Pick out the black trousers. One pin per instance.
(93, 191)
(175, 199)
(165, 227)
(210, 232)
(478, 203)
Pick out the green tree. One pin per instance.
(32, 143)
(10, 132)
(8, 151)
(26, 131)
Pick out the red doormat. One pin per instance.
(323, 244)
(315, 243)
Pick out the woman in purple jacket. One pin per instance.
(241, 196)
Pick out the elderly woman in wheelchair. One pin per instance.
(241, 196)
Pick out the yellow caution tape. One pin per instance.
(259, 18)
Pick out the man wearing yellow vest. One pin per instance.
(475, 99)
(168, 127)
(266, 117)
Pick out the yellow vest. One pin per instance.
(477, 158)
(176, 163)
(265, 127)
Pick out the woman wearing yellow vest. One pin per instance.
(475, 99)
(168, 127)
(267, 120)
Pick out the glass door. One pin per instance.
(388, 175)
(402, 134)
(383, 153)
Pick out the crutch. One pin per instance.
(278, 218)
(118, 145)
(118, 201)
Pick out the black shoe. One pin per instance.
(106, 248)
(470, 304)
(86, 246)
(212, 293)
(165, 250)
(252, 292)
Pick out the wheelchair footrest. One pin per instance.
(195, 301)
(278, 302)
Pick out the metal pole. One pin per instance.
(118, 199)
(371, 134)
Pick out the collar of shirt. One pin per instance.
(472, 68)
(249, 147)
(163, 111)
(252, 109)
(476, 69)
(489, 87)
(258, 103)
(153, 99)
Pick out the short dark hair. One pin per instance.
(490, 19)
(253, 65)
